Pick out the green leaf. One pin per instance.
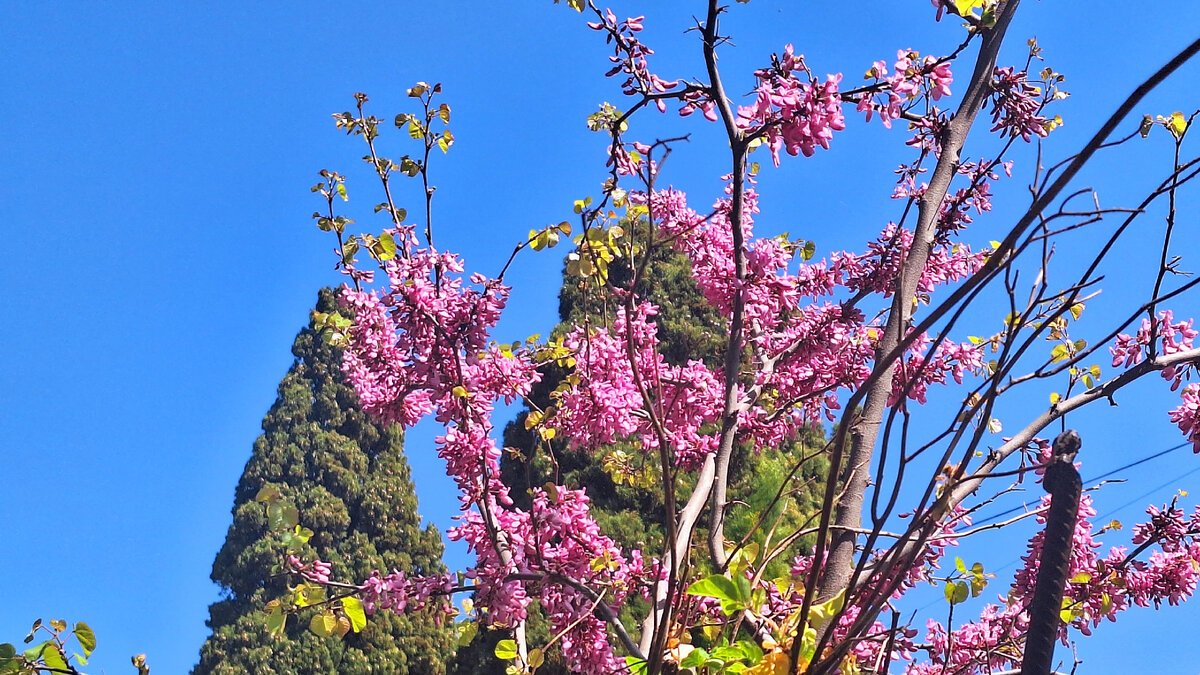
(536, 658)
(809, 250)
(1177, 124)
(825, 611)
(506, 650)
(578, 6)
(7, 653)
(967, 7)
(384, 247)
(695, 658)
(341, 190)
(81, 659)
(323, 624)
(956, 592)
(35, 652)
(276, 619)
(268, 494)
(1059, 353)
(753, 652)
(86, 637)
(354, 611)
(715, 586)
(467, 630)
(636, 666)
(52, 656)
(282, 516)
(58, 625)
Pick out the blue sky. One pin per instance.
(156, 160)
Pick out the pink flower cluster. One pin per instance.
(316, 570)
(918, 370)
(795, 114)
(556, 540)
(1171, 337)
(912, 78)
(876, 270)
(629, 57)
(1187, 415)
(1016, 107)
(399, 592)
(956, 208)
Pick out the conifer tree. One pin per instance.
(348, 477)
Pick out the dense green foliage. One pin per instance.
(350, 481)
(689, 328)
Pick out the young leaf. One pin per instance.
(353, 608)
(956, 592)
(86, 637)
(715, 586)
(276, 619)
(506, 650)
(267, 494)
(323, 624)
(467, 630)
(1177, 124)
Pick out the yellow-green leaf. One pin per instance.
(353, 608)
(86, 637)
(323, 624)
(506, 650)
(52, 656)
(1177, 124)
(467, 630)
(967, 7)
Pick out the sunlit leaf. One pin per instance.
(506, 650)
(467, 630)
(353, 608)
(323, 624)
(1177, 124)
(86, 637)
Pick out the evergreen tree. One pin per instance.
(348, 477)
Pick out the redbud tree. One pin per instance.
(857, 339)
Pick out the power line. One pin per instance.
(1147, 493)
(1092, 482)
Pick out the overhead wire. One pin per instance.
(1091, 482)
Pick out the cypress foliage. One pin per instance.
(348, 477)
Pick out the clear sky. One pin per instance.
(156, 160)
